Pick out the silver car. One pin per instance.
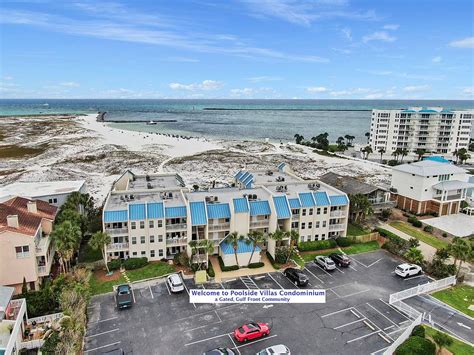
(175, 283)
(325, 262)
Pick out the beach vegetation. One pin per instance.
(381, 151)
(359, 208)
(461, 250)
(419, 234)
(99, 241)
(439, 267)
(366, 151)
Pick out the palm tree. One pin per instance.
(456, 154)
(193, 244)
(98, 241)
(395, 154)
(298, 138)
(234, 238)
(414, 255)
(66, 238)
(442, 340)
(460, 250)
(278, 236)
(360, 206)
(381, 152)
(367, 134)
(294, 238)
(256, 238)
(340, 141)
(349, 139)
(420, 152)
(367, 151)
(404, 153)
(207, 245)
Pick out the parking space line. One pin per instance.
(353, 294)
(354, 313)
(329, 289)
(256, 341)
(353, 322)
(314, 275)
(375, 262)
(383, 315)
(168, 288)
(363, 336)
(339, 270)
(233, 342)
(358, 262)
(384, 338)
(396, 310)
(353, 268)
(187, 291)
(102, 333)
(341, 310)
(218, 316)
(103, 346)
(275, 280)
(149, 287)
(323, 269)
(103, 320)
(200, 341)
(396, 330)
(133, 295)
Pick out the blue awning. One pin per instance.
(321, 198)
(198, 213)
(241, 205)
(259, 208)
(307, 199)
(338, 200)
(155, 210)
(137, 211)
(282, 207)
(175, 212)
(242, 247)
(218, 210)
(115, 216)
(294, 203)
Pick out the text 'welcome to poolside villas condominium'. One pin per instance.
(155, 216)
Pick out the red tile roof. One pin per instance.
(28, 222)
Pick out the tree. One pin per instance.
(322, 141)
(461, 251)
(367, 135)
(66, 237)
(414, 255)
(193, 245)
(403, 153)
(420, 152)
(298, 138)
(24, 287)
(207, 245)
(233, 239)
(442, 340)
(294, 238)
(366, 151)
(413, 243)
(256, 238)
(196, 187)
(456, 154)
(396, 153)
(463, 155)
(340, 141)
(381, 152)
(278, 236)
(349, 139)
(360, 206)
(98, 241)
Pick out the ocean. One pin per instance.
(231, 119)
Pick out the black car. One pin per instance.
(220, 351)
(124, 296)
(296, 276)
(340, 259)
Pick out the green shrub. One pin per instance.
(395, 244)
(428, 229)
(226, 268)
(344, 241)
(416, 346)
(392, 162)
(417, 224)
(50, 344)
(281, 254)
(135, 263)
(418, 331)
(181, 259)
(255, 265)
(317, 245)
(114, 264)
(272, 261)
(412, 219)
(445, 235)
(210, 269)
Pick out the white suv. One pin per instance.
(405, 270)
(175, 283)
(325, 262)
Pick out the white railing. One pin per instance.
(295, 217)
(337, 214)
(333, 227)
(117, 246)
(404, 336)
(32, 344)
(46, 318)
(176, 226)
(176, 241)
(41, 270)
(116, 230)
(405, 308)
(21, 303)
(263, 223)
(200, 258)
(424, 288)
(220, 226)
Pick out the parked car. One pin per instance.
(405, 270)
(251, 331)
(175, 283)
(325, 262)
(220, 351)
(279, 349)
(296, 276)
(340, 259)
(124, 296)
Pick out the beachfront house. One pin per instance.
(156, 216)
(430, 187)
(25, 244)
(12, 325)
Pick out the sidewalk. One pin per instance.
(219, 275)
(427, 250)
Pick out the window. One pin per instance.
(152, 253)
(310, 211)
(294, 225)
(310, 225)
(324, 224)
(444, 177)
(325, 210)
(316, 237)
(302, 238)
(22, 251)
(134, 253)
(303, 225)
(133, 225)
(160, 253)
(142, 239)
(142, 224)
(304, 212)
(160, 223)
(160, 238)
(53, 200)
(143, 253)
(317, 224)
(152, 238)
(134, 240)
(318, 211)
(151, 224)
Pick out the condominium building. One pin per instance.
(430, 186)
(434, 129)
(12, 324)
(25, 244)
(156, 216)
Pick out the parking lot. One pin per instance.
(356, 317)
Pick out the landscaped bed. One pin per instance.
(354, 230)
(459, 297)
(353, 249)
(457, 347)
(420, 235)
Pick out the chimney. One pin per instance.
(339, 181)
(32, 207)
(12, 221)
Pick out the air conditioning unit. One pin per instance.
(216, 199)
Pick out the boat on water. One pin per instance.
(151, 123)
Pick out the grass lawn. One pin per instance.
(459, 297)
(88, 255)
(354, 230)
(457, 347)
(420, 235)
(151, 270)
(353, 249)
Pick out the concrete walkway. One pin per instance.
(427, 250)
(220, 276)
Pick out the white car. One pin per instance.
(405, 270)
(175, 283)
(325, 262)
(275, 350)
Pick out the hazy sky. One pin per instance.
(380, 49)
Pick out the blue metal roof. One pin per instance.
(238, 174)
(115, 216)
(408, 111)
(307, 199)
(294, 202)
(198, 213)
(175, 212)
(437, 159)
(281, 166)
(338, 200)
(155, 210)
(242, 247)
(218, 210)
(245, 178)
(282, 207)
(137, 211)
(427, 111)
(259, 208)
(321, 198)
(241, 205)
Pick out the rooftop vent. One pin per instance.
(147, 177)
(269, 173)
(314, 186)
(12, 221)
(149, 186)
(280, 179)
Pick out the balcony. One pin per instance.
(258, 224)
(295, 217)
(176, 241)
(337, 214)
(219, 226)
(117, 246)
(115, 231)
(200, 258)
(42, 246)
(176, 226)
(336, 227)
(448, 197)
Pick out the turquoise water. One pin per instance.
(233, 119)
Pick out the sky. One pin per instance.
(242, 49)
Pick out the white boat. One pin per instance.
(151, 123)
